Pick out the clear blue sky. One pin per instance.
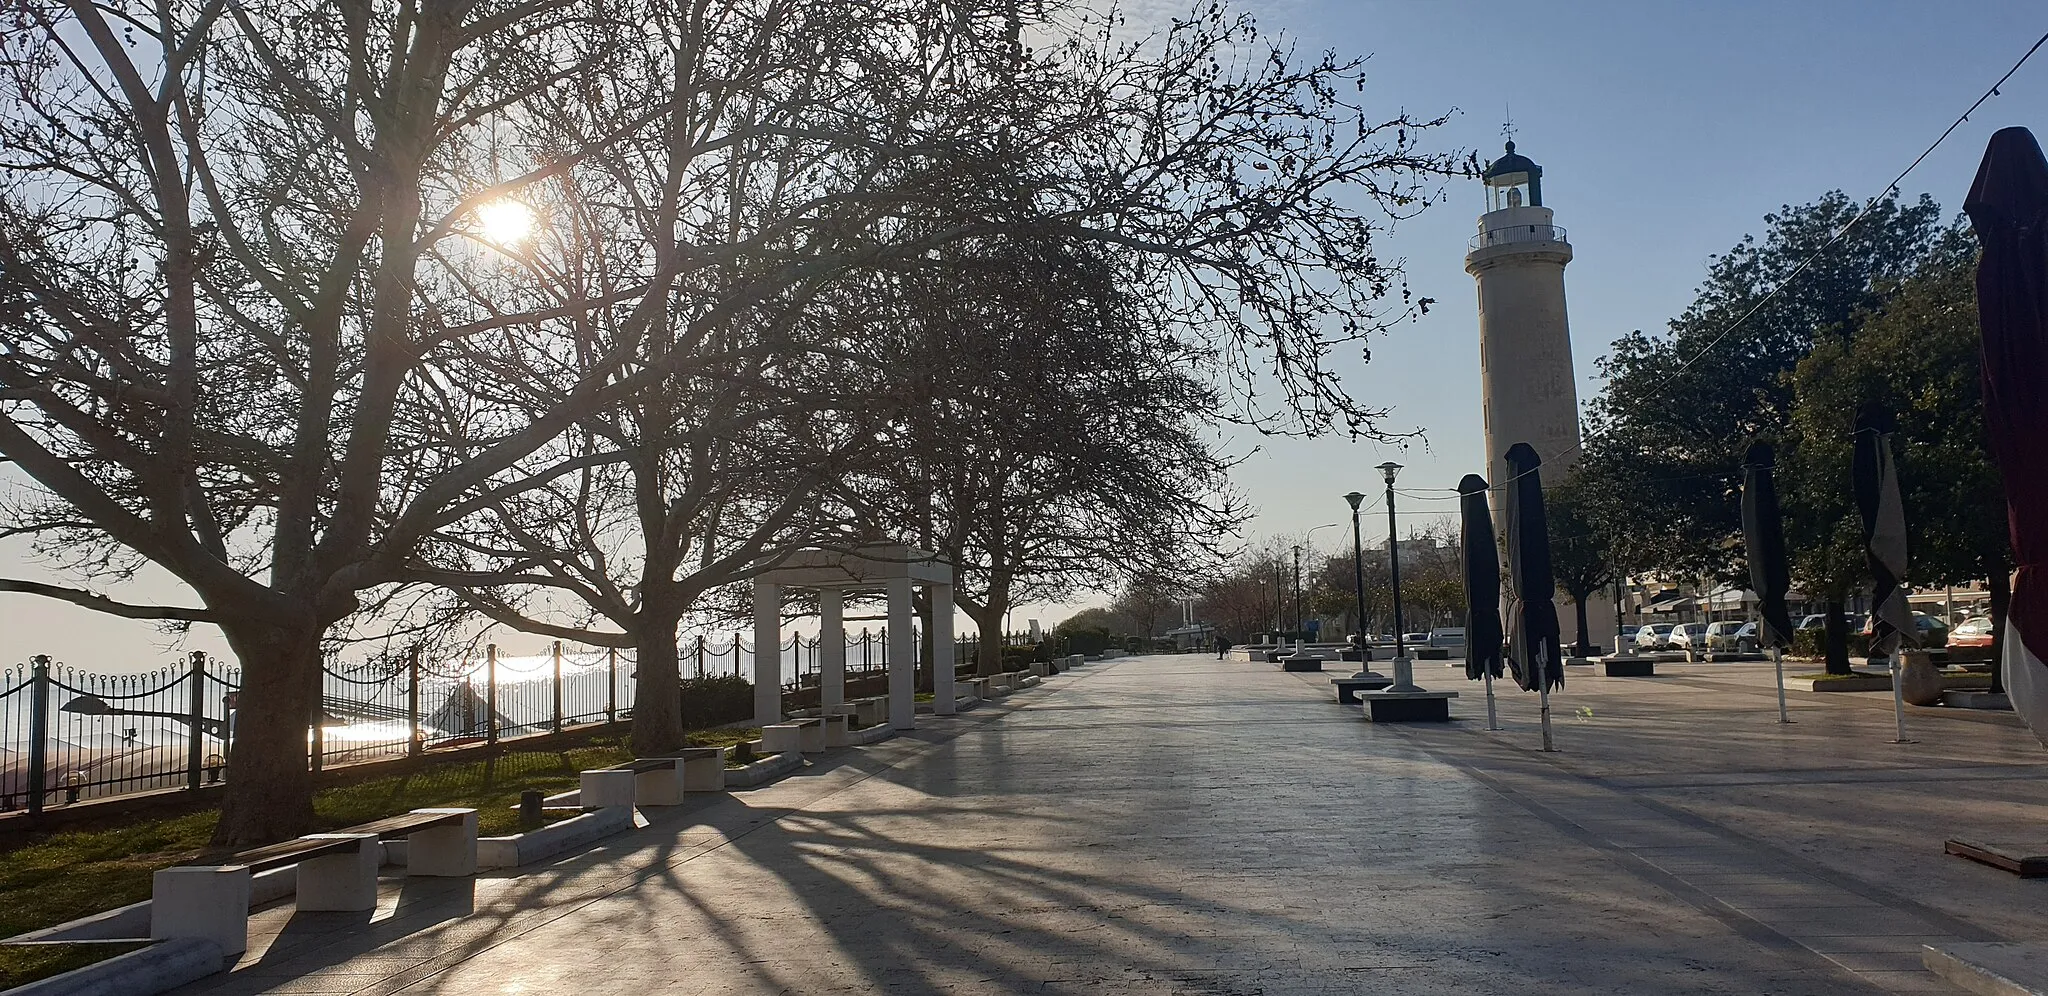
(1665, 132)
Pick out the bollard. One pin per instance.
(530, 802)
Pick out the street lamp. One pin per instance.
(1357, 498)
(1389, 469)
(1404, 679)
(1297, 591)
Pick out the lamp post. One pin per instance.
(1404, 670)
(1355, 499)
(1297, 592)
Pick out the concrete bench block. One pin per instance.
(606, 788)
(443, 852)
(341, 883)
(836, 730)
(704, 769)
(202, 902)
(659, 787)
(781, 738)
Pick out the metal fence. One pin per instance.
(67, 734)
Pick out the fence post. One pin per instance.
(611, 668)
(195, 718)
(491, 695)
(735, 653)
(38, 731)
(417, 741)
(700, 656)
(558, 686)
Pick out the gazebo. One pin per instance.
(891, 568)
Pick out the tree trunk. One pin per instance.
(270, 788)
(2000, 583)
(657, 685)
(1837, 632)
(1579, 603)
(988, 656)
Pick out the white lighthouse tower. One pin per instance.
(1525, 341)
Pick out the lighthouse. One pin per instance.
(1529, 394)
(1525, 342)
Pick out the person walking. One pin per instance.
(1222, 646)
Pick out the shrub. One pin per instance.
(1018, 656)
(715, 700)
(1085, 641)
(1813, 643)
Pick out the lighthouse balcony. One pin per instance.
(1513, 234)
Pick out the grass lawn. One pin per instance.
(71, 873)
(54, 877)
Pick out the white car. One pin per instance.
(1689, 636)
(1452, 637)
(1722, 635)
(1654, 636)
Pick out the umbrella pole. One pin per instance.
(1492, 721)
(1778, 662)
(1544, 695)
(1899, 700)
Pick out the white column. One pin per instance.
(767, 654)
(831, 648)
(942, 647)
(902, 656)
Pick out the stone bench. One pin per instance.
(337, 872)
(1302, 661)
(1349, 687)
(662, 781)
(806, 736)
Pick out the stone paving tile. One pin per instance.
(1164, 825)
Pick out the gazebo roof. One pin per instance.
(870, 566)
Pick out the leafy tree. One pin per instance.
(1578, 548)
(1915, 355)
(1667, 431)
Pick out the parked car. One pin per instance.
(1929, 631)
(1972, 632)
(1415, 639)
(1721, 635)
(1689, 636)
(1452, 637)
(1748, 640)
(1819, 620)
(1653, 636)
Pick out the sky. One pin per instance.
(1665, 130)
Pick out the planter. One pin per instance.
(1919, 682)
(553, 839)
(160, 967)
(770, 768)
(1859, 682)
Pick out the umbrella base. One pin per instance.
(1621, 667)
(1407, 707)
(1363, 681)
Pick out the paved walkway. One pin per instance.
(1185, 825)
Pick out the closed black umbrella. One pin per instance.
(1763, 542)
(1482, 581)
(1884, 531)
(1534, 651)
(2008, 206)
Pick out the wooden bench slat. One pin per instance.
(291, 852)
(405, 824)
